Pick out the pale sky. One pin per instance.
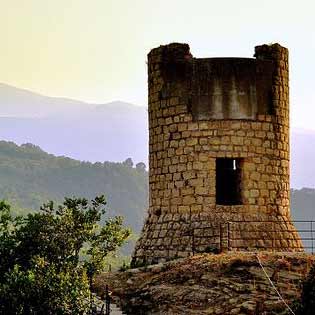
(95, 50)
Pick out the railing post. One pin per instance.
(107, 301)
(312, 237)
(228, 236)
(193, 242)
(220, 236)
(273, 236)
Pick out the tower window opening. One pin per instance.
(228, 181)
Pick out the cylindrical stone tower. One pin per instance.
(218, 155)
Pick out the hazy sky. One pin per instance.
(95, 50)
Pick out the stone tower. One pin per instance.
(218, 154)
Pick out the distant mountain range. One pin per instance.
(88, 132)
(107, 132)
(22, 103)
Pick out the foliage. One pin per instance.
(41, 266)
(141, 167)
(128, 162)
(44, 289)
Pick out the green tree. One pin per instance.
(48, 259)
(128, 162)
(141, 167)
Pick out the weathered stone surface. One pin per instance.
(232, 283)
(201, 110)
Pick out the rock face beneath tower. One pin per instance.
(218, 155)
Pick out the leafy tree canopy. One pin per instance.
(48, 259)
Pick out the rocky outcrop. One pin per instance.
(232, 283)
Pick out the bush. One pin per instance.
(48, 259)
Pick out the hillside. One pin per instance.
(30, 176)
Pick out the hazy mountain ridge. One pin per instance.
(16, 102)
(90, 132)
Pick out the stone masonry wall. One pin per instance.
(183, 216)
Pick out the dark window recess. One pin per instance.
(228, 181)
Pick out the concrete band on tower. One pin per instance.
(218, 153)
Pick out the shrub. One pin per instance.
(48, 259)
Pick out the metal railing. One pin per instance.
(99, 307)
(271, 235)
